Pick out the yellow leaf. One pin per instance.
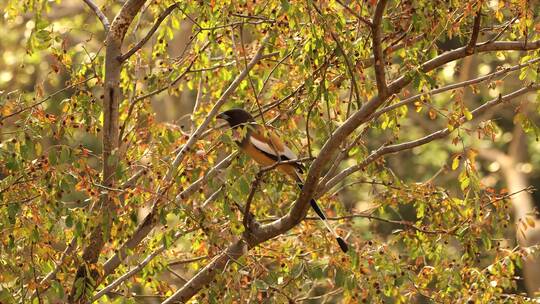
(530, 221)
(432, 114)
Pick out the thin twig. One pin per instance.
(2, 118)
(140, 266)
(500, 33)
(362, 19)
(151, 32)
(176, 274)
(350, 68)
(461, 84)
(187, 261)
(390, 149)
(476, 30)
(247, 213)
(199, 97)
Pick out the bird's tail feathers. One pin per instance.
(323, 218)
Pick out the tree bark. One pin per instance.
(85, 280)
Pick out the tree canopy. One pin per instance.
(416, 121)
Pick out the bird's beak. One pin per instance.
(222, 120)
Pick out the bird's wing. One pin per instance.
(271, 145)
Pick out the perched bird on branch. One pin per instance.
(267, 149)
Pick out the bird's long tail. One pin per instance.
(322, 216)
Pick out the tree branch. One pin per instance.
(476, 30)
(150, 220)
(142, 231)
(299, 208)
(461, 84)
(362, 19)
(151, 32)
(349, 66)
(378, 55)
(424, 140)
(139, 266)
(113, 95)
(99, 14)
(460, 53)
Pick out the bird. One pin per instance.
(267, 149)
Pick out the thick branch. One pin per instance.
(150, 220)
(300, 207)
(112, 94)
(99, 14)
(460, 53)
(378, 54)
(151, 32)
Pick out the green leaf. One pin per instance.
(12, 210)
(244, 186)
(57, 288)
(260, 285)
(468, 114)
(340, 277)
(69, 221)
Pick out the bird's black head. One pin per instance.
(236, 117)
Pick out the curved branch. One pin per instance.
(104, 20)
(299, 208)
(460, 53)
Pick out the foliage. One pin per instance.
(426, 225)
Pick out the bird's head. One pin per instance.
(235, 117)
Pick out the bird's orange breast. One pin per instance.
(265, 161)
